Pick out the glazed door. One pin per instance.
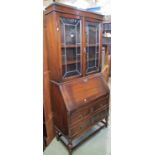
(70, 36)
(93, 46)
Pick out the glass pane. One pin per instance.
(92, 46)
(70, 46)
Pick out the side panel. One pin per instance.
(59, 110)
(48, 116)
(53, 42)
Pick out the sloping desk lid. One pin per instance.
(82, 91)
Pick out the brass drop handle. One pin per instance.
(85, 100)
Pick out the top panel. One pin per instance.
(57, 7)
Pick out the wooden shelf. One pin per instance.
(107, 30)
(106, 43)
(92, 59)
(74, 61)
(92, 45)
(74, 46)
(70, 46)
(71, 62)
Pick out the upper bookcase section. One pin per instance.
(62, 8)
(74, 42)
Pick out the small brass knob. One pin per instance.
(85, 80)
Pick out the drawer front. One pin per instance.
(98, 104)
(84, 113)
(79, 115)
(85, 124)
(98, 117)
(80, 127)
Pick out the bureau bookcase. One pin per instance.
(79, 93)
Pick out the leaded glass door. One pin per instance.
(92, 46)
(70, 31)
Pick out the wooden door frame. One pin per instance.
(59, 46)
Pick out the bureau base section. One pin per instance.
(71, 144)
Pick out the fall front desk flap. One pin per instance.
(81, 92)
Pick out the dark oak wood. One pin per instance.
(65, 9)
(79, 100)
(79, 104)
(48, 126)
(83, 137)
(54, 39)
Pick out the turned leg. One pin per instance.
(106, 120)
(70, 146)
(58, 135)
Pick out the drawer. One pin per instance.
(92, 108)
(99, 116)
(80, 115)
(100, 103)
(82, 126)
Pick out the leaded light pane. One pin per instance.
(70, 30)
(92, 46)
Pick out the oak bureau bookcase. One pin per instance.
(80, 96)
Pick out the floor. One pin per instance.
(99, 144)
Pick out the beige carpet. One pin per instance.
(99, 144)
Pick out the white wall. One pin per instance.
(104, 4)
